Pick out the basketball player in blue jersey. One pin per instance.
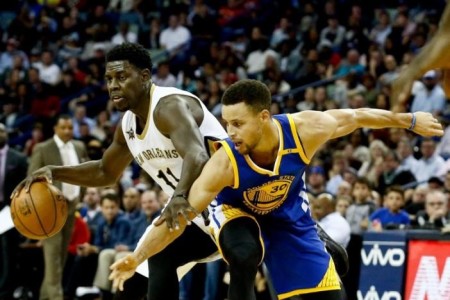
(167, 131)
(261, 210)
(434, 55)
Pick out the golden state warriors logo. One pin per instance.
(269, 196)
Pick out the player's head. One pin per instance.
(246, 110)
(128, 75)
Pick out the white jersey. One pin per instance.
(157, 155)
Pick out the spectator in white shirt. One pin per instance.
(49, 71)
(332, 222)
(429, 96)
(430, 164)
(124, 35)
(174, 37)
(163, 77)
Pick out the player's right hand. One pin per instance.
(122, 270)
(42, 174)
(178, 207)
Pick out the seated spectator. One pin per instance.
(430, 164)
(151, 208)
(393, 173)
(429, 95)
(332, 222)
(391, 216)
(163, 77)
(342, 204)
(358, 213)
(316, 180)
(113, 229)
(435, 216)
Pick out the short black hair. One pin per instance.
(252, 92)
(395, 189)
(111, 197)
(136, 54)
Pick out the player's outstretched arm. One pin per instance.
(103, 172)
(316, 128)
(348, 120)
(216, 174)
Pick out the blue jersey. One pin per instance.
(280, 192)
(276, 199)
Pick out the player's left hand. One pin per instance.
(122, 270)
(427, 125)
(177, 207)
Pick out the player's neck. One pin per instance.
(142, 111)
(265, 153)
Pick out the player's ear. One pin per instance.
(265, 115)
(146, 75)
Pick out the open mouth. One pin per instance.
(116, 98)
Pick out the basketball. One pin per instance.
(41, 213)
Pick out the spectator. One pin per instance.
(358, 213)
(435, 215)
(334, 33)
(124, 35)
(393, 173)
(391, 216)
(7, 57)
(113, 229)
(163, 77)
(316, 180)
(429, 95)
(382, 29)
(342, 204)
(430, 163)
(332, 222)
(49, 71)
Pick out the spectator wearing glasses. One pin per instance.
(435, 214)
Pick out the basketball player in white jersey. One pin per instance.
(167, 132)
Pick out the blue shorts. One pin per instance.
(294, 255)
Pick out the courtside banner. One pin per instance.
(383, 258)
(428, 276)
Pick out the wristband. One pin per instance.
(413, 122)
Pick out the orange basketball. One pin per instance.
(41, 213)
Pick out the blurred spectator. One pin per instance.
(7, 57)
(358, 213)
(351, 64)
(80, 117)
(405, 153)
(316, 180)
(124, 35)
(429, 95)
(391, 216)
(13, 168)
(382, 29)
(430, 163)
(332, 222)
(391, 73)
(342, 204)
(435, 215)
(37, 136)
(417, 201)
(163, 77)
(49, 71)
(334, 33)
(175, 39)
(393, 173)
(113, 229)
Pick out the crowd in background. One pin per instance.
(316, 54)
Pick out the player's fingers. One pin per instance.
(176, 224)
(186, 217)
(121, 282)
(160, 220)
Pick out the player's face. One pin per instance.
(125, 83)
(244, 126)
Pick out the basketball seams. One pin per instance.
(36, 212)
(33, 211)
